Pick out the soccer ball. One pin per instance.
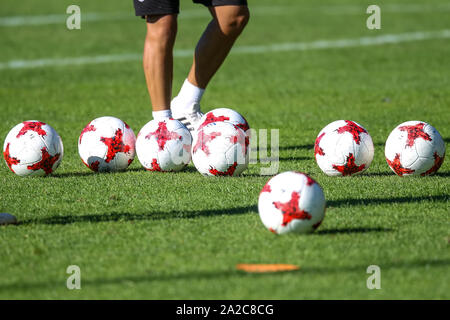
(224, 115)
(107, 144)
(414, 148)
(164, 145)
(33, 148)
(220, 149)
(291, 202)
(343, 148)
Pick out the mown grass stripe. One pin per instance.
(258, 49)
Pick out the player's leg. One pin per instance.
(158, 61)
(216, 42)
(229, 19)
(161, 17)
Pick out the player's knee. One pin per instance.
(162, 30)
(235, 23)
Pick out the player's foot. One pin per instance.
(190, 117)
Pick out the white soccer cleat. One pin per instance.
(190, 118)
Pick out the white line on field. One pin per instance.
(35, 20)
(279, 47)
(18, 21)
(388, 8)
(345, 43)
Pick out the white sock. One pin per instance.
(161, 115)
(188, 95)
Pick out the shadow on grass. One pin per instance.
(390, 265)
(122, 216)
(225, 274)
(441, 174)
(183, 214)
(293, 158)
(377, 174)
(72, 174)
(392, 174)
(304, 146)
(256, 175)
(91, 173)
(393, 200)
(353, 230)
(142, 169)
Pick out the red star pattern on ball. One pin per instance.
(35, 126)
(396, 165)
(317, 149)
(353, 129)
(94, 165)
(309, 181)
(291, 210)
(203, 139)
(242, 139)
(266, 188)
(187, 148)
(415, 132)
(115, 145)
(229, 172)
(244, 126)
(316, 225)
(10, 161)
(163, 135)
(210, 117)
(437, 164)
(349, 167)
(155, 165)
(88, 128)
(46, 163)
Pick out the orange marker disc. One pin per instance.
(261, 268)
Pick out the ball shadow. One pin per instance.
(294, 158)
(377, 201)
(90, 172)
(302, 146)
(126, 216)
(441, 174)
(352, 230)
(376, 174)
(73, 174)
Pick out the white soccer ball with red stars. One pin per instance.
(224, 115)
(343, 148)
(220, 149)
(164, 145)
(414, 148)
(33, 148)
(291, 202)
(107, 144)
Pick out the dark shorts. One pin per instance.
(156, 7)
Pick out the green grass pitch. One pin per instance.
(147, 235)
